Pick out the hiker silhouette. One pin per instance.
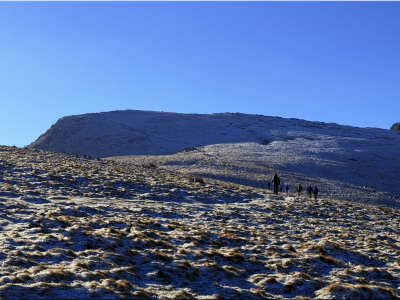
(310, 190)
(276, 181)
(299, 188)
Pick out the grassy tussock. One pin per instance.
(330, 260)
(358, 291)
(259, 293)
(182, 294)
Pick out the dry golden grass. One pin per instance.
(359, 291)
(161, 255)
(141, 295)
(259, 293)
(330, 260)
(82, 265)
(291, 248)
(182, 294)
(123, 285)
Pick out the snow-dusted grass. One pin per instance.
(75, 228)
(370, 179)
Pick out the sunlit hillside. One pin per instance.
(88, 228)
(349, 163)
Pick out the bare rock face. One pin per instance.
(395, 127)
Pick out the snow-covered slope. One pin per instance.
(246, 149)
(132, 132)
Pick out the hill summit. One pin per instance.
(353, 163)
(132, 132)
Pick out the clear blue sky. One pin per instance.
(322, 61)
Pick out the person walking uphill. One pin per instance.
(310, 190)
(315, 192)
(276, 181)
(299, 188)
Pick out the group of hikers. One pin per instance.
(277, 182)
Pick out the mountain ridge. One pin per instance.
(353, 163)
(75, 133)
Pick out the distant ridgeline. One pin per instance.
(395, 126)
(133, 132)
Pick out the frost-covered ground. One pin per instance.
(361, 178)
(78, 228)
(241, 148)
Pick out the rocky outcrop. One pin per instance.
(395, 127)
